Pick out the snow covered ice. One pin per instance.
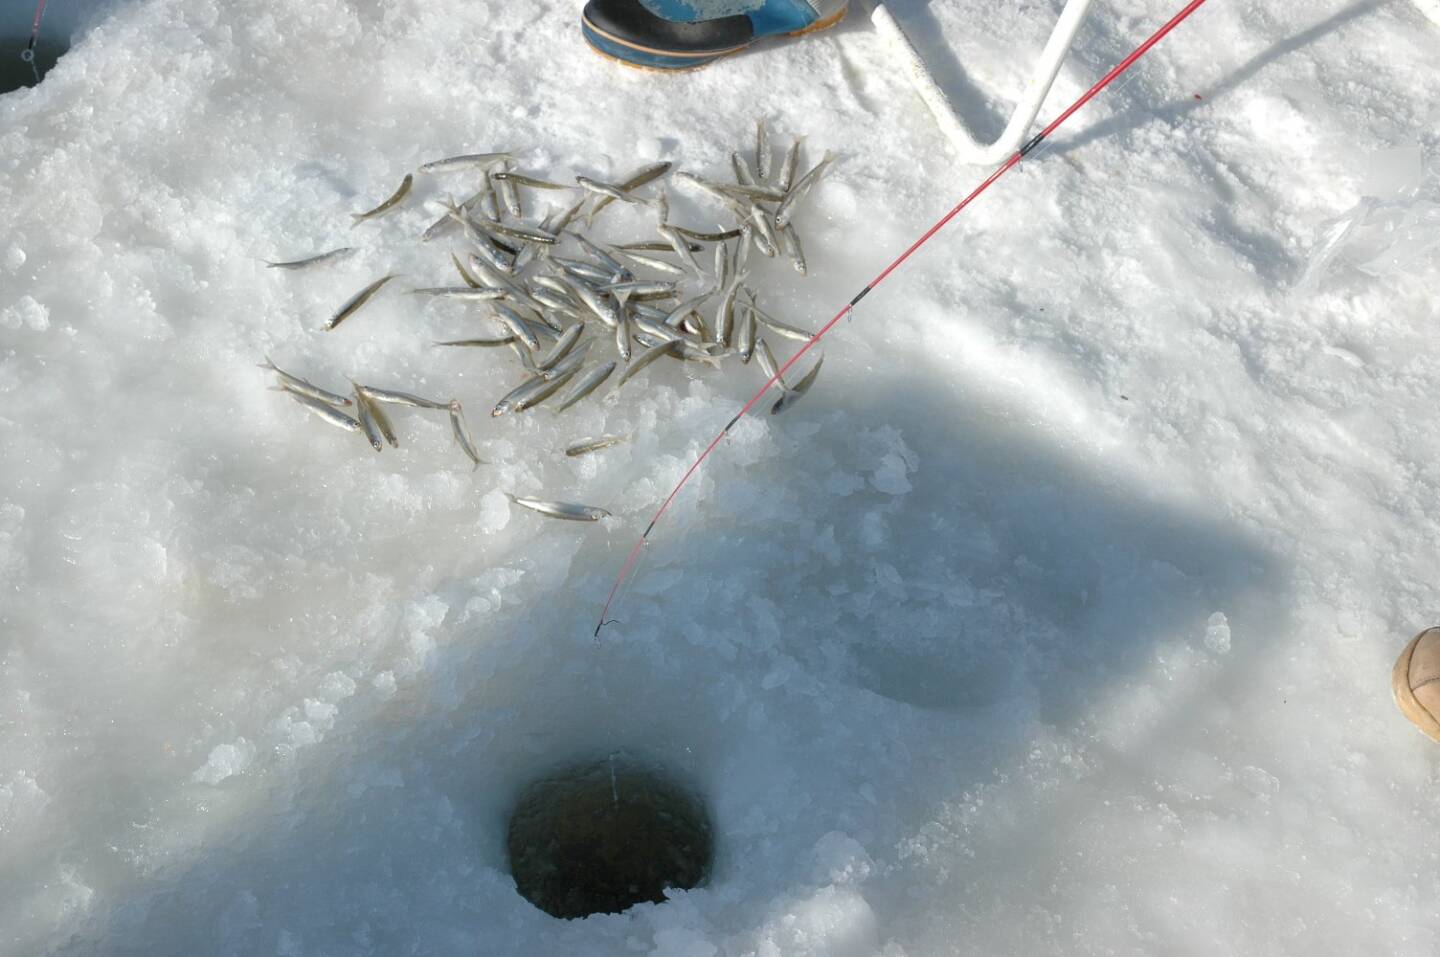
(1057, 618)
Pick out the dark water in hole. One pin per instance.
(601, 838)
(15, 72)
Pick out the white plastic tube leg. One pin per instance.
(1025, 110)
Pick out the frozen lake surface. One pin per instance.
(1057, 618)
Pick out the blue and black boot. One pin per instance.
(687, 34)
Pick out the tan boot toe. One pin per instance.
(1416, 682)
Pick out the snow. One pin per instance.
(1056, 618)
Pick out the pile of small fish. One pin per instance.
(552, 291)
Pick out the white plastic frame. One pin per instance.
(1025, 110)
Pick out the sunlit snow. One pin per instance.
(1057, 618)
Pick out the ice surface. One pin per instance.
(1056, 618)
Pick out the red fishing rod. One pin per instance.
(28, 54)
(1004, 168)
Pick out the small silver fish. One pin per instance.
(743, 175)
(681, 247)
(722, 267)
(793, 248)
(467, 293)
(316, 260)
(709, 353)
(714, 190)
(509, 195)
(368, 424)
(639, 287)
(488, 252)
(656, 329)
(674, 317)
(326, 411)
(654, 246)
(558, 376)
(494, 278)
(742, 249)
(523, 355)
(585, 385)
(651, 262)
(608, 190)
(602, 308)
(490, 201)
(353, 304)
(529, 234)
(638, 308)
(694, 325)
(467, 161)
(788, 331)
(523, 180)
(640, 177)
(725, 315)
(512, 320)
(533, 390)
(745, 335)
(644, 359)
(389, 204)
(565, 510)
(554, 303)
(769, 194)
(399, 398)
(797, 192)
(764, 236)
(586, 446)
(787, 169)
(598, 251)
(801, 387)
(558, 223)
(698, 237)
(587, 272)
(304, 386)
(549, 329)
(622, 336)
(762, 151)
(468, 279)
(492, 341)
(567, 340)
(461, 431)
(371, 413)
(446, 222)
(387, 429)
(766, 359)
(554, 285)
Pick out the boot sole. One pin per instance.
(687, 62)
(1405, 699)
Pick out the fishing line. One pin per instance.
(1014, 160)
(28, 54)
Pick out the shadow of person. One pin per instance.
(860, 609)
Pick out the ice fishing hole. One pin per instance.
(16, 72)
(603, 836)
